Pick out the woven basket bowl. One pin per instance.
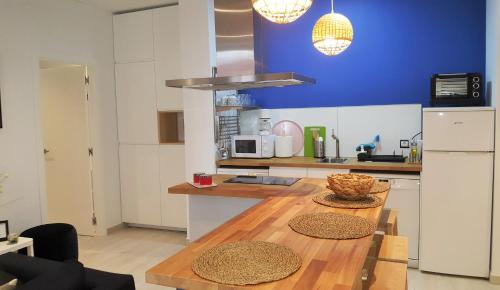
(350, 186)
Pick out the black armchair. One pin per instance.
(58, 242)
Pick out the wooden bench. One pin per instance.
(388, 276)
(387, 263)
(389, 222)
(394, 249)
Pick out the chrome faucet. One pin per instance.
(337, 144)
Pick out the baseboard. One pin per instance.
(412, 264)
(156, 227)
(115, 228)
(494, 279)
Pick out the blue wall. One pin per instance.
(398, 45)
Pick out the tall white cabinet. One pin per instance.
(146, 54)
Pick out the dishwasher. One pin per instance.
(405, 197)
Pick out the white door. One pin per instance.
(64, 111)
(456, 204)
(172, 172)
(140, 184)
(136, 103)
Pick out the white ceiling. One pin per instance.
(127, 5)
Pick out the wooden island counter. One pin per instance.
(326, 264)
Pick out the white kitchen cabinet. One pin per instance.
(140, 184)
(133, 37)
(167, 56)
(172, 172)
(324, 172)
(136, 103)
(288, 172)
(404, 196)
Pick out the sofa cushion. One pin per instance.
(95, 279)
(68, 276)
(7, 281)
(25, 268)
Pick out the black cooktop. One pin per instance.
(382, 158)
(266, 180)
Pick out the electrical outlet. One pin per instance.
(404, 143)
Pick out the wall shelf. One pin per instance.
(171, 127)
(239, 108)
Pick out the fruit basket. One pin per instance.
(350, 186)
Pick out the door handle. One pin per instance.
(45, 151)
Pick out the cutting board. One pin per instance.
(308, 139)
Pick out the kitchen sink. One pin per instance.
(332, 160)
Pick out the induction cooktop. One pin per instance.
(266, 180)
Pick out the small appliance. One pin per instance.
(252, 146)
(462, 89)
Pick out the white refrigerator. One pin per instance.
(457, 190)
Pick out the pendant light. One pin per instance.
(332, 33)
(281, 11)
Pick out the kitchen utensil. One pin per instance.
(290, 128)
(284, 146)
(350, 186)
(265, 124)
(319, 148)
(309, 140)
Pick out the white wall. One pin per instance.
(57, 30)
(353, 125)
(493, 76)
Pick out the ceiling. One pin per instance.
(116, 6)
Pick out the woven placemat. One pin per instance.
(380, 186)
(332, 226)
(246, 263)
(329, 198)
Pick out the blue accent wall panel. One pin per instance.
(398, 45)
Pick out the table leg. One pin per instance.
(31, 251)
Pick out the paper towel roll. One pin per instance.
(284, 146)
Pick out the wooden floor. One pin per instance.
(134, 250)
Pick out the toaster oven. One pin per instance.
(463, 89)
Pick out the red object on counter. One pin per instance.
(196, 177)
(205, 179)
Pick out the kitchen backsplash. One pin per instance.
(353, 125)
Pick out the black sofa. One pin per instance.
(43, 274)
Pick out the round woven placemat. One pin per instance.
(246, 263)
(332, 226)
(330, 199)
(380, 186)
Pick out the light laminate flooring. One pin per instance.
(134, 250)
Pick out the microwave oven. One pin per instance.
(252, 146)
(463, 89)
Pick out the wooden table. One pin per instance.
(326, 264)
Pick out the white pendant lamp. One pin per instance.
(332, 34)
(281, 11)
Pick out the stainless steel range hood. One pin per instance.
(236, 66)
(242, 82)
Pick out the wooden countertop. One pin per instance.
(327, 264)
(309, 162)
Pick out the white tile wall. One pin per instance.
(353, 125)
